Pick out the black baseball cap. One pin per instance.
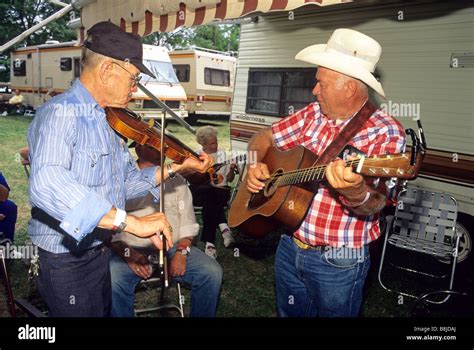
(108, 39)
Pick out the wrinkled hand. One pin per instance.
(138, 263)
(257, 173)
(201, 166)
(151, 226)
(351, 185)
(177, 266)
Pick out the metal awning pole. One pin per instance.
(33, 29)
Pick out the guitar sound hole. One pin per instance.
(257, 200)
(272, 183)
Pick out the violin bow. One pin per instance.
(163, 252)
(166, 109)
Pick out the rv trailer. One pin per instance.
(208, 78)
(43, 71)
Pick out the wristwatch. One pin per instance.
(119, 223)
(184, 251)
(171, 173)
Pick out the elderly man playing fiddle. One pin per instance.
(321, 270)
(82, 174)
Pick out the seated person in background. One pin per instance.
(213, 197)
(129, 264)
(15, 102)
(8, 212)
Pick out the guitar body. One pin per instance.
(258, 214)
(293, 182)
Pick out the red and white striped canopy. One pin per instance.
(147, 16)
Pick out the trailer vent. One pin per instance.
(462, 60)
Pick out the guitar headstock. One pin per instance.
(390, 165)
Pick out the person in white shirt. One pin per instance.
(213, 197)
(129, 263)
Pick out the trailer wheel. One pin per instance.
(465, 241)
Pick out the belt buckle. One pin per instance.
(302, 245)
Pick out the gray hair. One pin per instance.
(204, 133)
(91, 59)
(343, 79)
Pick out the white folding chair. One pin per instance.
(424, 223)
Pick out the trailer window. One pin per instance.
(163, 72)
(182, 72)
(66, 64)
(219, 77)
(77, 67)
(279, 92)
(19, 68)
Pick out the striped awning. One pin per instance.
(148, 16)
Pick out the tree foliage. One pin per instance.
(220, 37)
(16, 16)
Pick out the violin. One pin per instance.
(129, 125)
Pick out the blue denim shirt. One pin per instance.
(80, 169)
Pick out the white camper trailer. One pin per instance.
(427, 73)
(43, 71)
(208, 79)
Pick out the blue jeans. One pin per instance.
(310, 283)
(75, 286)
(7, 225)
(203, 273)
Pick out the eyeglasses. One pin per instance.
(135, 78)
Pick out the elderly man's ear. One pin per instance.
(105, 71)
(350, 88)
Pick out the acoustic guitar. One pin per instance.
(294, 180)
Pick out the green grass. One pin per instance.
(12, 138)
(248, 287)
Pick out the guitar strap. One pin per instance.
(347, 133)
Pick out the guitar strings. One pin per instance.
(351, 163)
(311, 171)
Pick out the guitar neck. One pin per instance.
(397, 165)
(306, 175)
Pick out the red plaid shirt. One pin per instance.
(328, 221)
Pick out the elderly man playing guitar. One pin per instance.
(321, 270)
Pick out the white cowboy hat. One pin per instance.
(348, 52)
